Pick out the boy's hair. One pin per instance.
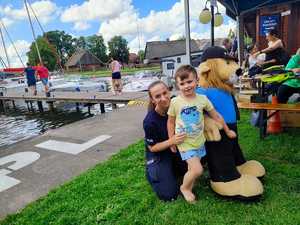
(184, 71)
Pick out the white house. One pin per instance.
(172, 54)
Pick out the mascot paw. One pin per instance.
(253, 168)
(211, 129)
(247, 187)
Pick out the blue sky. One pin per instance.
(138, 21)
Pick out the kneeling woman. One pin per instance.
(163, 167)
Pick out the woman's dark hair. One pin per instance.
(273, 32)
(151, 106)
(250, 47)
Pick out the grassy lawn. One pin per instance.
(107, 73)
(116, 191)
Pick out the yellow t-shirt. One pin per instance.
(189, 119)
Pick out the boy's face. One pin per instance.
(187, 86)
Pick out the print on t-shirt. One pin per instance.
(191, 118)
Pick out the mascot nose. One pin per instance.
(239, 72)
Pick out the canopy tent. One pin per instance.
(236, 8)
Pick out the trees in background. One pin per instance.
(118, 49)
(47, 55)
(56, 47)
(96, 45)
(64, 44)
(141, 55)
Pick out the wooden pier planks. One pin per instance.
(81, 97)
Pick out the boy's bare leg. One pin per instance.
(194, 171)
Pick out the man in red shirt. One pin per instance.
(43, 74)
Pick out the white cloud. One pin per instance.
(138, 43)
(22, 47)
(45, 11)
(95, 10)
(7, 22)
(161, 24)
(80, 26)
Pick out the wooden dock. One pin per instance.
(88, 98)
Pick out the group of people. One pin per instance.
(174, 135)
(275, 54)
(32, 73)
(173, 128)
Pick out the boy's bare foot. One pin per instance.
(188, 195)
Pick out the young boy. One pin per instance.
(186, 116)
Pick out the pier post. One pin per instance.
(27, 105)
(89, 109)
(51, 106)
(14, 105)
(31, 106)
(2, 107)
(102, 108)
(40, 106)
(77, 107)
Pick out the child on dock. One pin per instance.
(186, 116)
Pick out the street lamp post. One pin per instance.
(187, 32)
(207, 16)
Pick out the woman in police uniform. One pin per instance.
(163, 168)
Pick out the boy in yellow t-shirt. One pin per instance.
(186, 116)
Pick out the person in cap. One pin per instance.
(229, 171)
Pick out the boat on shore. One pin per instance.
(140, 81)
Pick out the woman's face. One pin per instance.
(255, 49)
(270, 37)
(160, 96)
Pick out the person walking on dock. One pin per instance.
(43, 74)
(30, 74)
(116, 76)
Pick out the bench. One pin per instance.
(263, 107)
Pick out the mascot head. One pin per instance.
(218, 69)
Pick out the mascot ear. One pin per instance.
(204, 69)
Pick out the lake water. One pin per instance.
(19, 123)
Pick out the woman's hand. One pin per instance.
(173, 148)
(296, 70)
(177, 138)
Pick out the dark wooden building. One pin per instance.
(285, 18)
(83, 60)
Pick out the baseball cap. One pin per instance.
(216, 52)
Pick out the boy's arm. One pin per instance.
(216, 116)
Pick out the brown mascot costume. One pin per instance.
(231, 175)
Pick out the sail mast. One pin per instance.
(33, 33)
(4, 46)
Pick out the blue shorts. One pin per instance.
(44, 81)
(200, 152)
(116, 75)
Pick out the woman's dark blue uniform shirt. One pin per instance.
(155, 127)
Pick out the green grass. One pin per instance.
(116, 191)
(107, 73)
